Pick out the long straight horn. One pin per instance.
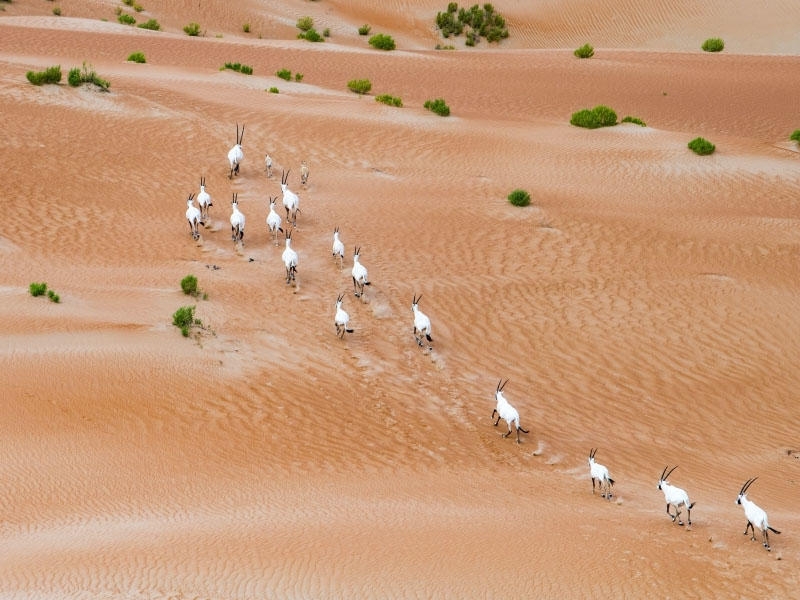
(420, 298)
(241, 137)
(662, 478)
(503, 385)
(747, 485)
(497, 389)
(670, 472)
(237, 133)
(592, 452)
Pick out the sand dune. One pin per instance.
(644, 304)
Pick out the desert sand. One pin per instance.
(645, 304)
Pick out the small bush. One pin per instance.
(360, 86)
(246, 27)
(634, 120)
(364, 29)
(77, 76)
(326, 32)
(713, 45)
(128, 2)
(519, 198)
(284, 74)
(382, 41)
(477, 21)
(239, 68)
(390, 100)
(273, 90)
(795, 136)
(138, 7)
(311, 35)
(137, 57)
(126, 19)
(151, 24)
(189, 285)
(38, 289)
(57, 11)
(298, 77)
(445, 47)
(74, 77)
(701, 146)
(599, 116)
(585, 51)
(192, 29)
(53, 296)
(305, 23)
(49, 75)
(183, 318)
(438, 106)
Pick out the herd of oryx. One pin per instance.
(675, 497)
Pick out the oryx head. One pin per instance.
(415, 302)
(665, 474)
(744, 489)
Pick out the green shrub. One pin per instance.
(38, 289)
(74, 77)
(311, 35)
(477, 21)
(599, 116)
(137, 57)
(128, 2)
(49, 75)
(360, 86)
(273, 90)
(183, 318)
(713, 45)
(445, 47)
(382, 41)
(126, 19)
(189, 285)
(239, 68)
(151, 24)
(192, 29)
(364, 29)
(585, 51)
(326, 32)
(284, 74)
(438, 106)
(77, 76)
(53, 296)
(390, 100)
(634, 120)
(57, 11)
(519, 198)
(246, 27)
(795, 136)
(701, 146)
(305, 23)
(298, 77)
(138, 7)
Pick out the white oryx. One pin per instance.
(237, 220)
(506, 412)
(342, 319)
(756, 516)
(273, 220)
(337, 250)
(289, 257)
(194, 217)
(303, 173)
(422, 324)
(235, 154)
(268, 165)
(359, 272)
(204, 199)
(291, 202)
(600, 473)
(675, 496)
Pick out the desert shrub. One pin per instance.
(477, 21)
(519, 198)
(77, 76)
(49, 75)
(273, 90)
(239, 68)
(284, 74)
(634, 120)
(599, 116)
(381, 41)
(37, 289)
(57, 11)
(138, 7)
(305, 23)
(701, 146)
(128, 2)
(53, 296)
(326, 32)
(183, 318)
(246, 27)
(390, 100)
(311, 35)
(137, 57)
(364, 29)
(713, 45)
(298, 77)
(360, 86)
(795, 136)
(150, 24)
(126, 19)
(189, 285)
(585, 51)
(438, 106)
(445, 47)
(192, 29)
